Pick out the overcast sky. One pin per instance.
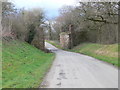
(51, 6)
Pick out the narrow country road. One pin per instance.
(72, 70)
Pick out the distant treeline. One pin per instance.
(20, 23)
(95, 22)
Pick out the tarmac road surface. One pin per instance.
(73, 70)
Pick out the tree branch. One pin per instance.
(105, 21)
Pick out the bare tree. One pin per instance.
(96, 21)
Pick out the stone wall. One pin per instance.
(64, 40)
(67, 38)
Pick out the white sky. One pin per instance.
(50, 6)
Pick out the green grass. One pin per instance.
(107, 53)
(0, 64)
(24, 66)
(54, 43)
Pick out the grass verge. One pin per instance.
(24, 66)
(0, 64)
(54, 43)
(107, 53)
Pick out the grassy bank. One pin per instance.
(54, 43)
(0, 64)
(107, 53)
(24, 66)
